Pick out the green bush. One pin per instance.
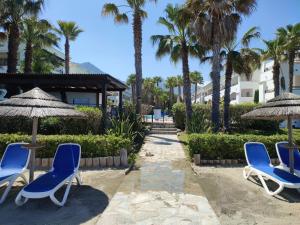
(91, 145)
(55, 125)
(231, 146)
(202, 116)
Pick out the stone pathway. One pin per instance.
(163, 191)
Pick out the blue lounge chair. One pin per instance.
(12, 166)
(64, 170)
(283, 156)
(259, 163)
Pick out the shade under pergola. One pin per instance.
(282, 107)
(36, 104)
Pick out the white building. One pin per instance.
(243, 90)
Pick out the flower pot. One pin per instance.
(197, 159)
(96, 162)
(88, 162)
(82, 162)
(117, 161)
(45, 162)
(103, 161)
(38, 162)
(110, 161)
(124, 157)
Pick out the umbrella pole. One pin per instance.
(33, 141)
(291, 145)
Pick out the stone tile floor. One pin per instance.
(163, 191)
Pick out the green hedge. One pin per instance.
(202, 112)
(54, 125)
(231, 146)
(91, 145)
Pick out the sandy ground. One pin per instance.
(84, 205)
(238, 201)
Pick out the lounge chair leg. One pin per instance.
(19, 200)
(61, 203)
(247, 174)
(6, 191)
(78, 179)
(272, 193)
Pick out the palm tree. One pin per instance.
(274, 50)
(149, 85)
(157, 80)
(291, 36)
(179, 85)
(135, 8)
(243, 61)
(171, 82)
(12, 15)
(132, 82)
(196, 78)
(36, 34)
(216, 23)
(179, 44)
(70, 31)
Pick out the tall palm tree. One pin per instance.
(179, 85)
(216, 23)
(275, 51)
(179, 44)
(291, 36)
(196, 78)
(70, 31)
(171, 83)
(12, 14)
(36, 34)
(157, 80)
(243, 61)
(132, 82)
(135, 8)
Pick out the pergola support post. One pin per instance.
(120, 103)
(104, 106)
(97, 100)
(33, 142)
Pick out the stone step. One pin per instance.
(164, 129)
(163, 132)
(166, 125)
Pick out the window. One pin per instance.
(3, 61)
(247, 93)
(282, 83)
(81, 101)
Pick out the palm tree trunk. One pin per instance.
(28, 58)
(133, 93)
(67, 56)
(276, 74)
(13, 47)
(216, 61)
(228, 75)
(291, 56)
(186, 85)
(137, 33)
(196, 93)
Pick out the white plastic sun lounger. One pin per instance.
(12, 166)
(64, 170)
(259, 164)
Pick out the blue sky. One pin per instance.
(110, 46)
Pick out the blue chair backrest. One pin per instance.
(15, 157)
(67, 157)
(284, 153)
(257, 154)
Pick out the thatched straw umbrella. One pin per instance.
(282, 107)
(36, 104)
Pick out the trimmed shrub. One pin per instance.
(56, 125)
(91, 145)
(231, 146)
(202, 116)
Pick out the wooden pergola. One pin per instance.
(91, 83)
